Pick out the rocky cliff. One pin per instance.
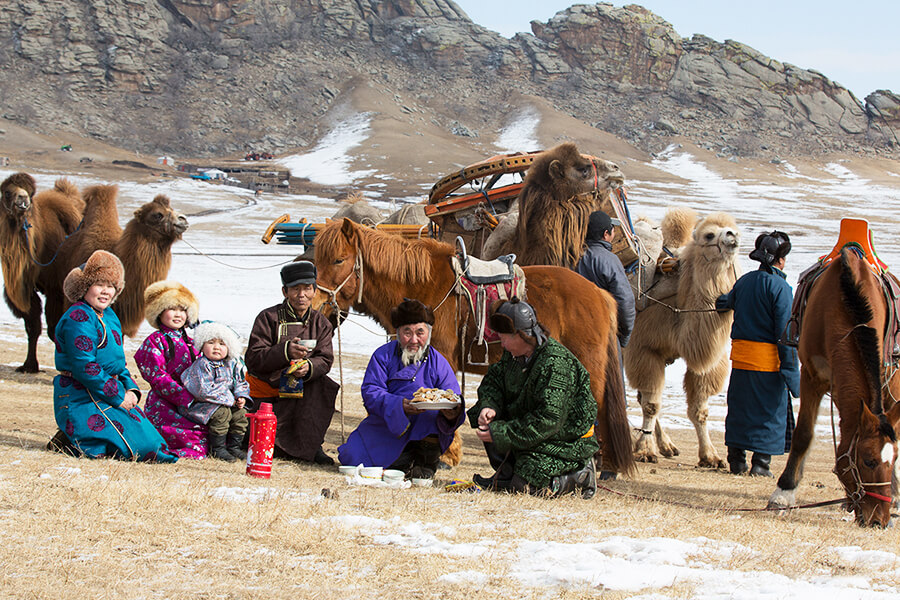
(219, 76)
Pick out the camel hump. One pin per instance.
(66, 188)
(677, 226)
(161, 199)
(100, 202)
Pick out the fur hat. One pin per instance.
(411, 311)
(101, 266)
(210, 330)
(163, 295)
(771, 247)
(295, 273)
(514, 315)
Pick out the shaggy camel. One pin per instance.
(144, 247)
(32, 229)
(668, 329)
(555, 203)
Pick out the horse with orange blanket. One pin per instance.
(374, 271)
(842, 350)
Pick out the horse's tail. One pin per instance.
(618, 455)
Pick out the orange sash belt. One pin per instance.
(260, 389)
(589, 433)
(755, 356)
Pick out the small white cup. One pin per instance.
(371, 472)
(308, 344)
(391, 475)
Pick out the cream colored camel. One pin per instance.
(663, 333)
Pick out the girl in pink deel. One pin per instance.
(170, 308)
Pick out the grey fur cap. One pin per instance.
(210, 330)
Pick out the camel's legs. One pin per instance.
(645, 448)
(699, 387)
(666, 446)
(33, 330)
(811, 392)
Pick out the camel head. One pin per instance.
(159, 221)
(17, 191)
(563, 172)
(716, 238)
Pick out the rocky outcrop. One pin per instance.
(216, 76)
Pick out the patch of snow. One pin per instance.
(520, 135)
(328, 162)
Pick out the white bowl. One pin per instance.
(371, 472)
(308, 344)
(393, 475)
(422, 482)
(347, 470)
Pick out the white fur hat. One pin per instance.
(209, 330)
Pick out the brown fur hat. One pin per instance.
(101, 266)
(163, 295)
(411, 311)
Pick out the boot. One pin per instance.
(584, 479)
(323, 459)
(737, 460)
(233, 445)
(760, 465)
(60, 442)
(490, 483)
(217, 448)
(587, 480)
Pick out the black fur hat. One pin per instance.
(411, 311)
(771, 247)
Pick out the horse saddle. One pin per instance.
(482, 283)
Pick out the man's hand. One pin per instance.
(451, 414)
(240, 402)
(130, 401)
(485, 417)
(296, 350)
(484, 433)
(301, 371)
(409, 409)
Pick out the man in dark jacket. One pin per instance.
(535, 411)
(291, 338)
(601, 266)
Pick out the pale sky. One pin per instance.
(853, 43)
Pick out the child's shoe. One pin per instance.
(217, 448)
(233, 445)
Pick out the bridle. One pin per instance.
(857, 495)
(358, 271)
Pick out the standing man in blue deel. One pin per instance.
(763, 371)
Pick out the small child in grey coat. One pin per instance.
(216, 381)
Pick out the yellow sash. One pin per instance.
(754, 356)
(589, 433)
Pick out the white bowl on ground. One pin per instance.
(393, 475)
(347, 470)
(371, 472)
(422, 482)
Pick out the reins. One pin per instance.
(26, 226)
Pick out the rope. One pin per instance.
(340, 368)
(201, 253)
(26, 226)
(718, 509)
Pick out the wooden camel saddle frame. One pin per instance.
(854, 233)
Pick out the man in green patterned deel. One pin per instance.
(535, 411)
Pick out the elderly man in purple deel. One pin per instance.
(396, 434)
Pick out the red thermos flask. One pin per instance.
(262, 441)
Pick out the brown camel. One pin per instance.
(144, 247)
(32, 229)
(555, 203)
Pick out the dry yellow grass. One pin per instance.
(75, 528)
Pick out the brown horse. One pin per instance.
(841, 350)
(374, 271)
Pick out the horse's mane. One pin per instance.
(388, 256)
(867, 340)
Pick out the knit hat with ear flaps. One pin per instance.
(163, 295)
(770, 247)
(209, 330)
(516, 315)
(409, 312)
(101, 266)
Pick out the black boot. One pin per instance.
(217, 448)
(760, 465)
(737, 460)
(584, 479)
(233, 445)
(60, 442)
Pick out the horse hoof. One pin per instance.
(28, 368)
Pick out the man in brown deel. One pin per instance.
(288, 359)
